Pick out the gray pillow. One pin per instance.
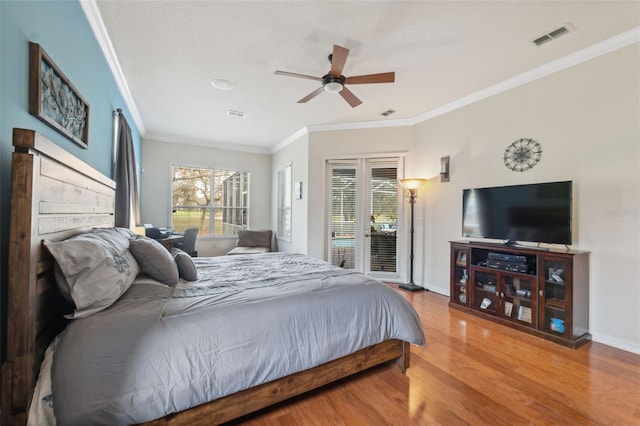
(186, 268)
(247, 238)
(93, 269)
(154, 260)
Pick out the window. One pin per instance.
(284, 203)
(214, 201)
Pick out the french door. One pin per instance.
(364, 211)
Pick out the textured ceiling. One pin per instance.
(441, 51)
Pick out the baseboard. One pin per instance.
(436, 289)
(624, 345)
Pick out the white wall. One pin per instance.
(332, 144)
(587, 120)
(157, 158)
(296, 154)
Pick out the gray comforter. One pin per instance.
(247, 320)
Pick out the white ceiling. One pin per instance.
(441, 52)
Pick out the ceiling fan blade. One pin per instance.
(293, 74)
(385, 77)
(350, 97)
(311, 95)
(338, 59)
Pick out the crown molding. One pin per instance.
(361, 125)
(290, 139)
(601, 48)
(90, 9)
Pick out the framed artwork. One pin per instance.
(461, 260)
(54, 100)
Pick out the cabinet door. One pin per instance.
(459, 275)
(518, 299)
(484, 293)
(554, 315)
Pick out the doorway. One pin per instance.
(365, 216)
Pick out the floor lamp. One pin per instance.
(411, 192)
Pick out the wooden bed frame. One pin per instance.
(54, 196)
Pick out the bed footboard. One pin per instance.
(253, 399)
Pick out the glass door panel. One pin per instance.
(383, 210)
(460, 276)
(484, 292)
(343, 223)
(519, 296)
(554, 297)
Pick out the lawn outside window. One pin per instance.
(215, 201)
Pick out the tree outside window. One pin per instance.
(214, 201)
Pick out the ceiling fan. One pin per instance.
(334, 81)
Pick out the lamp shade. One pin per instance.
(413, 183)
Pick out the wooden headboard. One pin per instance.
(54, 196)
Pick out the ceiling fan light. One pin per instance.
(333, 87)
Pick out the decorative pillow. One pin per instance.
(154, 260)
(247, 238)
(186, 268)
(93, 269)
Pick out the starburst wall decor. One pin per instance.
(522, 155)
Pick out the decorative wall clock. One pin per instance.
(522, 155)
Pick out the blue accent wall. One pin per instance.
(62, 30)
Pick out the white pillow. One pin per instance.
(97, 268)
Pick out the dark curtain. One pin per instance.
(127, 201)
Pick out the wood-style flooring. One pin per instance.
(475, 372)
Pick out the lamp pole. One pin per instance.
(411, 286)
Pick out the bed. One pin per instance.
(55, 197)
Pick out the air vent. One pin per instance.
(552, 35)
(388, 112)
(238, 114)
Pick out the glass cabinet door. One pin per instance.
(485, 296)
(460, 276)
(519, 296)
(553, 313)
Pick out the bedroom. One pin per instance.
(595, 145)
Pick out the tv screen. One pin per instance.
(538, 212)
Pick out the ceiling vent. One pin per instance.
(238, 114)
(552, 35)
(388, 112)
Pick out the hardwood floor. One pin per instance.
(476, 372)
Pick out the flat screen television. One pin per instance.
(539, 212)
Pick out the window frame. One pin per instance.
(284, 179)
(212, 208)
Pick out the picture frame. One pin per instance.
(54, 100)
(508, 308)
(524, 314)
(461, 259)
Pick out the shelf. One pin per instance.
(553, 283)
(524, 299)
(555, 303)
(488, 270)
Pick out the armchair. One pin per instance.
(252, 242)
